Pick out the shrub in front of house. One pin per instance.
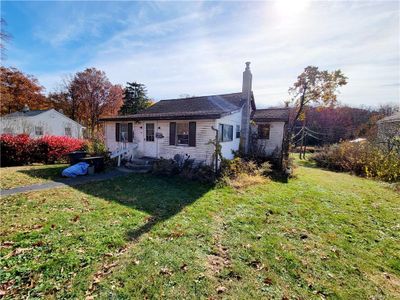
(240, 173)
(184, 166)
(15, 150)
(237, 172)
(22, 150)
(95, 146)
(363, 159)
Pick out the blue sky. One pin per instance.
(199, 48)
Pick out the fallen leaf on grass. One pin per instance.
(38, 244)
(7, 244)
(16, 252)
(184, 267)
(256, 264)
(221, 289)
(136, 262)
(165, 271)
(36, 226)
(268, 281)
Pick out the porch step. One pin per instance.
(147, 161)
(138, 168)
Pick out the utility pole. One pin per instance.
(303, 136)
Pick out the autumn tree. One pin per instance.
(313, 87)
(93, 96)
(135, 98)
(4, 38)
(18, 89)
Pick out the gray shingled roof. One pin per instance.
(271, 114)
(204, 107)
(30, 113)
(393, 118)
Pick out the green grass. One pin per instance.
(12, 177)
(322, 235)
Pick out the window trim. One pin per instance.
(70, 131)
(154, 132)
(40, 129)
(176, 134)
(221, 133)
(238, 131)
(121, 138)
(262, 137)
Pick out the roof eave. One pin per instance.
(271, 120)
(155, 118)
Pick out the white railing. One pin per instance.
(128, 151)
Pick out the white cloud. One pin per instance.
(202, 50)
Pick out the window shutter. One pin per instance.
(172, 133)
(117, 132)
(192, 134)
(130, 133)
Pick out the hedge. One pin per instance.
(22, 150)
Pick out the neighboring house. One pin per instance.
(389, 130)
(38, 123)
(187, 126)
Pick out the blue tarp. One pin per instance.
(75, 170)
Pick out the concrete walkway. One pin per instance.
(64, 182)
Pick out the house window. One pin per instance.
(150, 132)
(38, 130)
(8, 130)
(123, 132)
(263, 131)
(225, 132)
(68, 131)
(237, 131)
(182, 133)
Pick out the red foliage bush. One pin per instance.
(22, 150)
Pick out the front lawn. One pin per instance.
(12, 177)
(322, 235)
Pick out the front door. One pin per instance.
(150, 143)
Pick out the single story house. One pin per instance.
(188, 126)
(37, 123)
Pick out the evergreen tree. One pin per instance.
(135, 99)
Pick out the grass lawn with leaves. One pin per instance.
(12, 177)
(322, 235)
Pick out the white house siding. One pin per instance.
(227, 147)
(52, 123)
(203, 151)
(109, 136)
(274, 143)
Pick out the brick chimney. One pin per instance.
(246, 112)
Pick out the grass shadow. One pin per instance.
(160, 197)
(278, 177)
(47, 172)
(306, 163)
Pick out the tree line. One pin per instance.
(84, 97)
(88, 95)
(332, 124)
